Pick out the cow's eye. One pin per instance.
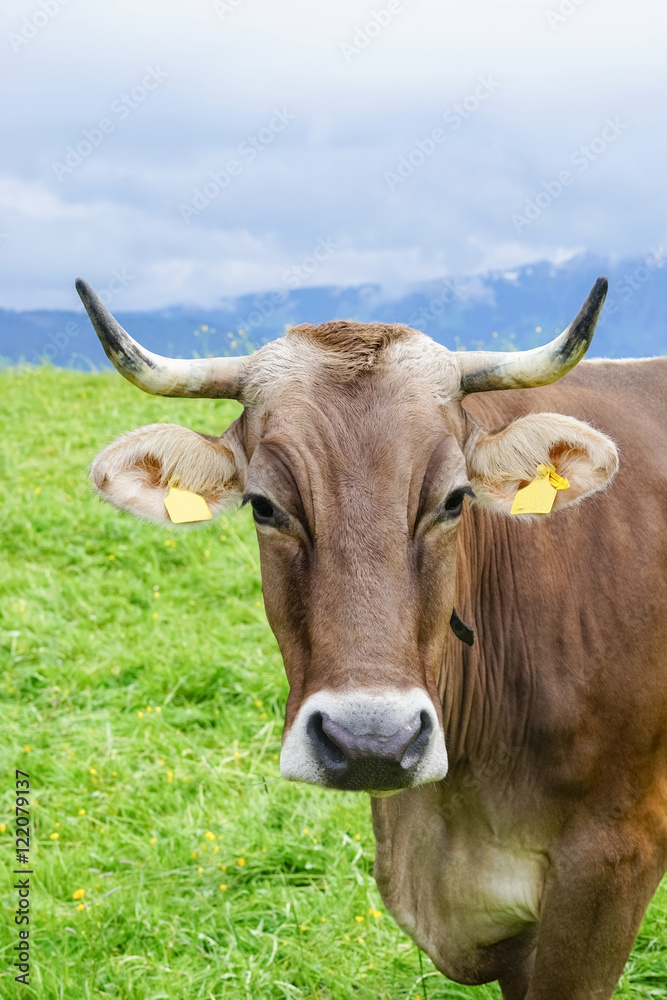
(262, 509)
(454, 503)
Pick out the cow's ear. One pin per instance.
(134, 471)
(501, 462)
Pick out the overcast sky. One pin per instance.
(184, 151)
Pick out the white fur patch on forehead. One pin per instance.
(339, 353)
(424, 360)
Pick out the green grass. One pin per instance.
(150, 726)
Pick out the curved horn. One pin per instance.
(211, 378)
(484, 370)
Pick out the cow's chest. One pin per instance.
(466, 889)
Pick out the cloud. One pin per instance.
(226, 71)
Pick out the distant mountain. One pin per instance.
(496, 311)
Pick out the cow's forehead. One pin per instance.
(331, 359)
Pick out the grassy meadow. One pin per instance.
(142, 690)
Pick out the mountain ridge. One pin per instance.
(520, 309)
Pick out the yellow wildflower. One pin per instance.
(79, 894)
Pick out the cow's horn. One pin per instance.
(212, 378)
(484, 370)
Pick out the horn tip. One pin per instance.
(84, 289)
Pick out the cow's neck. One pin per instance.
(486, 689)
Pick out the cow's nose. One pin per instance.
(365, 741)
(369, 760)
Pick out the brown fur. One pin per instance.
(354, 347)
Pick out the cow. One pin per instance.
(517, 760)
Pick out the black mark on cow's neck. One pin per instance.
(461, 630)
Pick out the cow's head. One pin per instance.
(358, 458)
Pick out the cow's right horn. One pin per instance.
(484, 370)
(211, 378)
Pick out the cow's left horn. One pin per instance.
(484, 370)
(212, 378)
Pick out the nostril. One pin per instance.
(419, 742)
(329, 752)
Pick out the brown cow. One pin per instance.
(381, 469)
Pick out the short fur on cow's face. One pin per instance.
(357, 457)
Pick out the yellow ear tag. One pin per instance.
(183, 506)
(539, 495)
